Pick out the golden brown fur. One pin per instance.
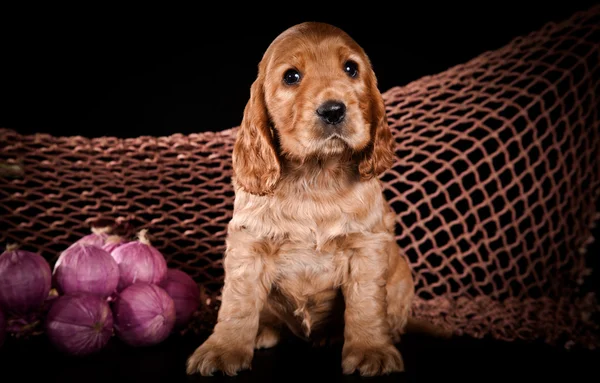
(311, 243)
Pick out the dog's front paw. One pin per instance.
(216, 356)
(370, 360)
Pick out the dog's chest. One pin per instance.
(307, 284)
(305, 271)
(310, 264)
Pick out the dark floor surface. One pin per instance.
(426, 359)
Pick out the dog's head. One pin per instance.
(315, 95)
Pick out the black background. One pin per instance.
(98, 71)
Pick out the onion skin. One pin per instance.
(93, 239)
(79, 324)
(144, 315)
(102, 238)
(85, 268)
(25, 281)
(185, 294)
(139, 262)
(2, 328)
(112, 242)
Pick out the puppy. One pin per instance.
(311, 246)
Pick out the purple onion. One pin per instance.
(144, 315)
(185, 294)
(97, 236)
(25, 281)
(79, 324)
(139, 261)
(2, 328)
(84, 268)
(101, 237)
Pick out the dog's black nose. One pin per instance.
(332, 112)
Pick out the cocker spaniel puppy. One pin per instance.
(311, 246)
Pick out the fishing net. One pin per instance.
(495, 186)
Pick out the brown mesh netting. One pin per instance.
(495, 185)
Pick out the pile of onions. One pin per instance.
(144, 314)
(79, 324)
(102, 286)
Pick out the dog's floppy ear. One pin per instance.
(379, 154)
(256, 167)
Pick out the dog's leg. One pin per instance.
(368, 346)
(268, 331)
(268, 337)
(230, 347)
(400, 292)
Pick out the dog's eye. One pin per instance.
(351, 68)
(291, 77)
